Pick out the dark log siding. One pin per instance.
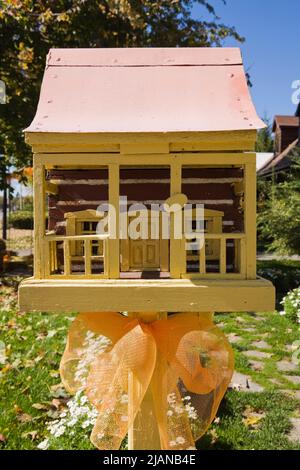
(86, 189)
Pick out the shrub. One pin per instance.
(291, 305)
(21, 220)
(284, 274)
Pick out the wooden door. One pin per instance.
(143, 255)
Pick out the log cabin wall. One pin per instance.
(86, 189)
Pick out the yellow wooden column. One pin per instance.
(177, 246)
(114, 243)
(39, 217)
(250, 216)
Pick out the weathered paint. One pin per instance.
(174, 90)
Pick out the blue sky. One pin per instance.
(271, 51)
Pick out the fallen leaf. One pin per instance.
(5, 368)
(40, 406)
(252, 418)
(24, 418)
(2, 438)
(56, 403)
(58, 391)
(32, 434)
(17, 409)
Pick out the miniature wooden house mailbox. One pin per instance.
(139, 128)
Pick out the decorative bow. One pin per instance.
(185, 362)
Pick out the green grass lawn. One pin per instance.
(31, 396)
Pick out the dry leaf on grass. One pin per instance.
(252, 418)
(32, 434)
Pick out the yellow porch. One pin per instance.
(138, 295)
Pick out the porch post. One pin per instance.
(113, 196)
(250, 217)
(39, 217)
(177, 247)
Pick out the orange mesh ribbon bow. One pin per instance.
(184, 361)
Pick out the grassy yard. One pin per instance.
(32, 399)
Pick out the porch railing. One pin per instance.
(237, 258)
(61, 252)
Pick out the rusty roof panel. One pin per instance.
(136, 98)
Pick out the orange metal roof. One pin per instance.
(144, 90)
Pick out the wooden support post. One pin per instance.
(144, 434)
(87, 257)
(39, 217)
(114, 244)
(202, 259)
(67, 258)
(177, 246)
(250, 218)
(223, 255)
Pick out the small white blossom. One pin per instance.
(43, 445)
(180, 440)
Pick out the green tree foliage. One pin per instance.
(279, 219)
(265, 141)
(29, 28)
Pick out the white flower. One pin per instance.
(172, 443)
(169, 413)
(124, 398)
(43, 445)
(171, 398)
(180, 440)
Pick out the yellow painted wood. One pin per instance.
(39, 217)
(224, 236)
(47, 261)
(202, 259)
(250, 217)
(125, 264)
(164, 255)
(100, 160)
(177, 248)
(140, 148)
(51, 188)
(216, 276)
(222, 256)
(143, 295)
(77, 237)
(113, 197)
(87, 256)
(106, 254)
(242, 258)
(67, 258)
(178, 199)
(242, 139)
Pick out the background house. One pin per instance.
(286, 141)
